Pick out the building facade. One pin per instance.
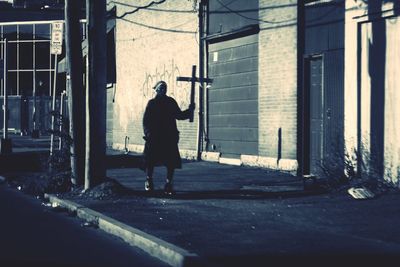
(30, 65)
(296, 85)
(302, 86)
(248, 113)
(372, 97)
(152, 44)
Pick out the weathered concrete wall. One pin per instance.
(359, 86)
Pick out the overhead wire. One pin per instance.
(226, 6)
(159, 28)
(173, 29)
(250, 18)
(152, 9)
(239, 13)
(140, 7)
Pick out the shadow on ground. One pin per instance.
(223, 194)
(350, 259)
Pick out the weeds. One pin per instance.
(358, 168)
(58, 165)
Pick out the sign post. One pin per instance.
(55, 49)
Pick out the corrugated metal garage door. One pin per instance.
(233, 97)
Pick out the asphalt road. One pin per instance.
(32, 234)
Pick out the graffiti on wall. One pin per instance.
(168, 73)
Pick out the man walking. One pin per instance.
(162, 136)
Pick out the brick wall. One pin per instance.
(278, 78)
(160, 42)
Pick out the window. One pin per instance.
(42, 57)
(42, 31)
(10, 32)
(25, 32)
(25, 83)
(12, 55)
(12, 83)
(28, 54)
(25, 55)
(43, 83)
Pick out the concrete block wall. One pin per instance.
(152, 44)
(278, 82)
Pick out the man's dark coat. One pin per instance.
(161, 133)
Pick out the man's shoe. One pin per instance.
(148, 185)
(168, 189)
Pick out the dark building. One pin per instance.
(27, 29)
(27, 26)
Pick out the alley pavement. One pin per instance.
(34, 235)
(244, 216)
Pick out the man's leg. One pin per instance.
(168, 188)
(149, 186)
(170, 174)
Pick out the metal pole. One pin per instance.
(200, 124)
(53, 104)
(61, 114)
(5, 96)
(34, 99)
(192, 90)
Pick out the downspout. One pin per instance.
(300, 88)
(201, 82)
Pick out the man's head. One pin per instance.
(161, 88)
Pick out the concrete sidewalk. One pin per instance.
(241, 216)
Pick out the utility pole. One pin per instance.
(95, 171)
(75, 90)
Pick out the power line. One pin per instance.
(153, 9)
(158, 28)
(140, 7)
(282, 21)
(250, 18)
(152, 34)
(217, 11)
(137, 8)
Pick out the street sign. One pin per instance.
(56, 37)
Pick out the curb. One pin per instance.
(164, 251)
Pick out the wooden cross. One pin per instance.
(193, 81)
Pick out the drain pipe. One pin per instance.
(63, 94)
(201, 82)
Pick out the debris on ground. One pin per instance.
(47, 204)
(361, 193)
(39, 183)
(108, 189)
(89, 224)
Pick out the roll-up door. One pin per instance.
(233, 97)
